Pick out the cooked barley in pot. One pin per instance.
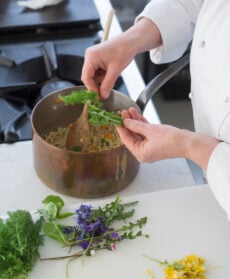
(101, 138)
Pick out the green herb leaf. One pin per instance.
(98, 116)
(80, 97)
(52, 210)
(54, 231)
(114, 211)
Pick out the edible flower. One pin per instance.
(189, 267)
(93, 228)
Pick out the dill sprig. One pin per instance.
(98, 115)
(19, 244)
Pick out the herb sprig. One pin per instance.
(19, 243)
(93, 229)
(98, 116)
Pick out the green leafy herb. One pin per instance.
(49, 214)
(98, 116)
(53, 206)
(20, 236)
(114, 211)
(93, 228)
(80, 97)
(19, 242)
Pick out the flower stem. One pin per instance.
(155, 260)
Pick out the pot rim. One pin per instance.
(63, 150)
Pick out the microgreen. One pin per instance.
(98, 116)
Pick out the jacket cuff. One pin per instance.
(175, 27)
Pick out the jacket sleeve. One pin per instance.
(176, 21)
(218, 175)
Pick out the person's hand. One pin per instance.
(104, 62)
(150, 142)
(154, 142)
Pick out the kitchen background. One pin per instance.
(41, 53)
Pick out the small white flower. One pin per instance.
(92, 252)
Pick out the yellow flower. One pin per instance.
(190, 267)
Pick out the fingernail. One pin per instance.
(105, 94)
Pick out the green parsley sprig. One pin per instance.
(98, 116)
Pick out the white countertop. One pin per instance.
(180, 222)
(21, 188)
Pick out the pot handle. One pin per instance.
(157, 82)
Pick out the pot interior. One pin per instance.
(49, 114)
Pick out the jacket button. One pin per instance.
(226, 99)
(201, 44)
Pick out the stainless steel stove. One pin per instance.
(40, 52)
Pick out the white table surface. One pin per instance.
(180, 222)
(22, 189)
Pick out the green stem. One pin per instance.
(155, 260)
(75, 255)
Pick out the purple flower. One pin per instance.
(84, 244)
(68, 229)
(115, 236)
(88, 228)
(83, 213)
(96, 227)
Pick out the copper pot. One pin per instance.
(87, 175)
(84, 175)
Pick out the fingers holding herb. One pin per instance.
(98, 115)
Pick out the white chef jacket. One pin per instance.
(207, 22)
